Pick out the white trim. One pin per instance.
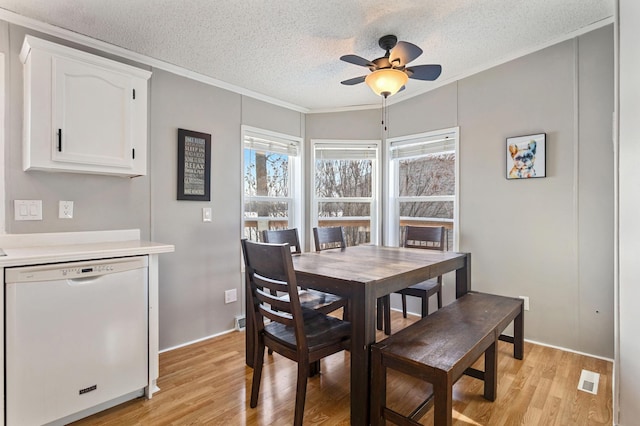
(64, 238)
(143, 59)
(115, 50)
(296, 178)
(393, 211)
(561, 348)
(482, 67)
(202, 339)
(615, 385)
(3, 126)
(376, 176)
(534, 342)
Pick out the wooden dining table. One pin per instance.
(363, 274)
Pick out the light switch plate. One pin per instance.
(206, 214)
(27, 209)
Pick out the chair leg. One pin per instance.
(404, 306)
(314, 368)
(425, 305)
(379, 313)
(345, 311)
(301, 392)
(439, 298)
(257, 373)
(387, 314)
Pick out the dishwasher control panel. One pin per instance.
(88, 270)
(73, 270)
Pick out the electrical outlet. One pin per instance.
(65, 209)
(526, 302)
(230, 296)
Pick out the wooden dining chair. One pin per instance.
(429, 238)
(283, 325)
(310, 299)
(329, 237)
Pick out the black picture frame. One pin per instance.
(526, 156)
(194, 165)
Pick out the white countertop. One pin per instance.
(33, 249)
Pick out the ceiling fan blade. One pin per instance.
(357, 60)
(353, 81)
(424, 72)
(403, 53)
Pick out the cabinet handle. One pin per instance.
(59, 140)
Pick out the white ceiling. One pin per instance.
(289, 50)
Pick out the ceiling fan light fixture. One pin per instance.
(386, 82)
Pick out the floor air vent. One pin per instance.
(240, 322)
(589, 382)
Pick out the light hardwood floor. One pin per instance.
(208, 383)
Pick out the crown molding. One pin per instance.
(71, 36)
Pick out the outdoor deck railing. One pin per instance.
(359, 227)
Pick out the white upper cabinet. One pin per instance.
(82, 113)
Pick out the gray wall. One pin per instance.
(100, 202)
(207, 258)
(550, 239)
(562, 260)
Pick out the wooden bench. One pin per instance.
(441, 348)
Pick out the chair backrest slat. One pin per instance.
(280, 236)
(425, 237)
(273, 300)
(329, 238)
(277, 316)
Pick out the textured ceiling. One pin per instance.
(289, 49)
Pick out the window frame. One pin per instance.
(392, 216)
(296, 173)
(376, 178)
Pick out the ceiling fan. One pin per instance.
(390, 72)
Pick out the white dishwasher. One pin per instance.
(76, 337)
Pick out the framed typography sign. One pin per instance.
(194, 166)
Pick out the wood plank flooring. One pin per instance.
(208, 383)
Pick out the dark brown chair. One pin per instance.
(329, 238)
(302, 335)
(423, 237)
(281, 236)
(310, 299)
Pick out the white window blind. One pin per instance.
(273, 144)
(343, 152)
(423, 145)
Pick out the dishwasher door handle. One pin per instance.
(74, 282)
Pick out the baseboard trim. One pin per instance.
(538, 343)
(192, 342)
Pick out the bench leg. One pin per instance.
(491, 372)
(518, 335)
(378, 388)
(443, 402)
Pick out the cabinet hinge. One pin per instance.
(133, 153)
(134, 93)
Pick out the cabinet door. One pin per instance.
(91, 114)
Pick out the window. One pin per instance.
(423, 183)
(346, 188)
(272, 179)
